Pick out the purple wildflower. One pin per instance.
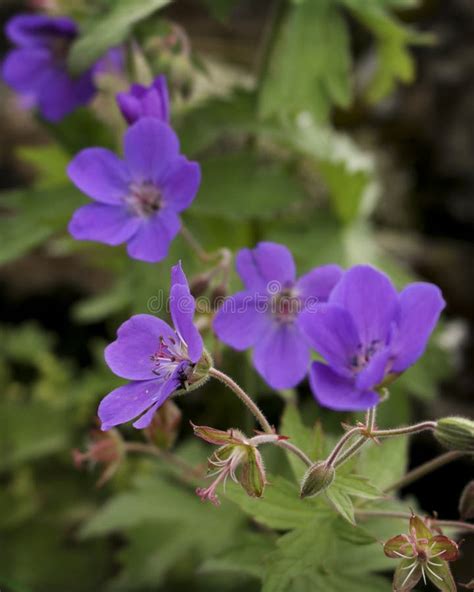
(157, 359)
(368, 334)
(37, 68)
(142, 101)
(267, 314)
(139, 199)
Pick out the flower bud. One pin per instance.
(164, 427)
(456, 433)
(105, 449)
(317, 478)
(199, 284)
(466, 503)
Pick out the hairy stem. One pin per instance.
(413, 429)
(349, 453)
(425, 469)
(259, 416)
(246, 399)
(332, 458)
(195, 244)
(458, 524)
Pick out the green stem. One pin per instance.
(349, 453)
(425, 469)
(195, 245)
(165, 455)
(414, 429)
(246, 399)
(332, 458)
(257, 413)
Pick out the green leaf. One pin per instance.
(341, 502)
(31, 431)
(281, 508)
(385, 463)
(357, 486)
(110, 31)
(50, 162)
(247, 557)
(220, 9)
(308, 69)
(267, 188)
(393, 39)
(37, 214)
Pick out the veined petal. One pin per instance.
(111, 225)
(127, 402)
(338, 392)
(151, 147)
(420, 306)
(100, 174)
(152, 240)
(137, 340)
(369, 296)
(319, 282)
(282, 355)
(241, 321)
(268, 267)
(180, 183)
(182, 307)
(332, 333)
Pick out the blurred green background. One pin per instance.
(342, 128)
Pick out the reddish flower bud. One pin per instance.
(105, 449)
(164, 427)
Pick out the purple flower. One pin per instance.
(137, 200)
(368, 334)
(266, 316)
(142, 101)
(37, 67)
(157, 359)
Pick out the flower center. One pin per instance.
(286, 306)
(168, 355)
(363, 355)
(144, 199)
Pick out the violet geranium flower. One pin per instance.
(368, 334)
(37, 68)
(158, 360)
(137, 199)
(142, 101)
(266, 316)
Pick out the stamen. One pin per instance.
(433, 573)
(410, 573)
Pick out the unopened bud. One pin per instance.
(164, 427)
(252, 476)
(317, 478)
(199, 284)
(105, 449)
(466, 503)
(456, 433)
(218, 295)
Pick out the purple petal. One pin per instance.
(332, 333)
(181, 183)
(153, 238)
(129, 106)
(373, 374)
(182, 307)
(25, 69)
(151, 146)
(30, 30)
(177, 275)
(282, 356)
(111, 225)
(145, 420)
(127, 402)
(267, 267)
(113, 62)
(100, 174)
(337, 392)
(241, 321)
(369, 296)
(319, 282)
(420, 306)
(60, 94)
(129, 356)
